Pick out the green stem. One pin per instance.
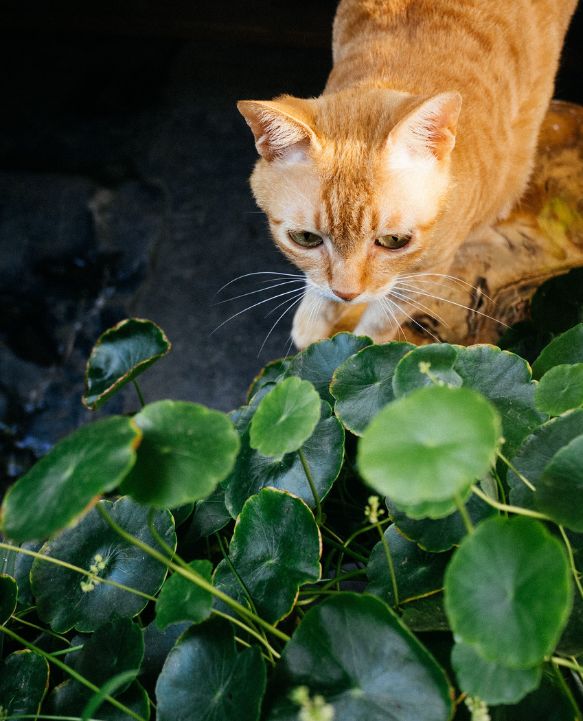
(353, 554)
(333, 581)
(509, 509)
(82, 571)
(463, 511)
(65, 651)
(557, 660)
(48, 631)
(191, 576)
(71, 672)
(173, 556)
(516, 472)
(352, 537)
(247, 629)
(390, 563)
(139, 392)
(571, 556)
(555, 663)
(310, 478)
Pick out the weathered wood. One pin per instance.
(500, 270)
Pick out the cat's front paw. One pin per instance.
(307, 330)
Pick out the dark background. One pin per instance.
(123, 191)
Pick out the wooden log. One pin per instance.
(500, 269)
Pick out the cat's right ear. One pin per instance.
(282, 131)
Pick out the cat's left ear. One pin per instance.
(429, 129)
(281, 127)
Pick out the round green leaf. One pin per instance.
(8, 597)
(318, 361)
(417, 572)
(273, 372)
(115, 648)
(432, 509)
(426, 614)
(65, 599)
(565, 348)
(21, 572)
(508, 591)
(182, 600)
(438, 535)
(490, 681)
(135, 698)
(205, 679)
(24, 679)
(427, 366)
(354, 651)
(363, 384)
(210, 515)
(60, 487)
(285, 418)
(158, 645)
(560, 491)
(121, 354)
(535, 453)
(430, 445)
(186, 451)
(324, 452)
(275, 549)
(560, 390)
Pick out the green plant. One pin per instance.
(247, 572)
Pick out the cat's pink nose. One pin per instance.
(345, 296)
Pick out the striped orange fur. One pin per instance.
(426, 131)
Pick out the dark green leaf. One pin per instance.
(430, 445)
(560, 491)
(560, 390)
(273, 372)
(228, 685)
(60, 487)
(426, 614)
(324, 452)
(24, 679)
(275, 549)
(115, 648)
(443, 533)
(186, 451)
(318, 361)
(363, 384)
(119, 356)
(354, 651)
(182, 513)
(21, 565)
(427, 366)
(66, 599)
(558, 304)
(157, 647)
(8, 597)
(565, 348)
(182, 600)
(417, 572)
(536, 452)
(508, 591)
(547, 703)
(210, 515)
(489, 681)
(285, 418)
(571, 643)
(134, 698)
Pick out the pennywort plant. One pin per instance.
(381, 533)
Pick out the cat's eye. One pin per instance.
(393, 242)
(305, 238)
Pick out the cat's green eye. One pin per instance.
(305, 238)
(393, 242)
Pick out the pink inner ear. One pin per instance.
(430, 128)
(277, 135)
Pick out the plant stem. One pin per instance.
(247, 629)
(65, 651)
(333, 581)
(191, 576)
(574, 569)
(139, 392)
(77, 569)
(516, 472)
(463, 511)
(340, 546)
(557, 660)
(555, 663)
(310, 478)
(352, 537)
(390, 563)
(71, 672)
(48, 631)
(509, 509)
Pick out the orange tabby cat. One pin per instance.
(362, 186)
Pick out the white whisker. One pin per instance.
(293, 303)
(260, 290)
(419, 306)
(454, 278)
(272, 311)
(265, 300)
(392, 319)
(451, 302)
(423, 328)
(259, 272)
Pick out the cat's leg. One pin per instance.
(380, 322)
(315, 319)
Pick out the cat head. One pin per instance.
(353, 183)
